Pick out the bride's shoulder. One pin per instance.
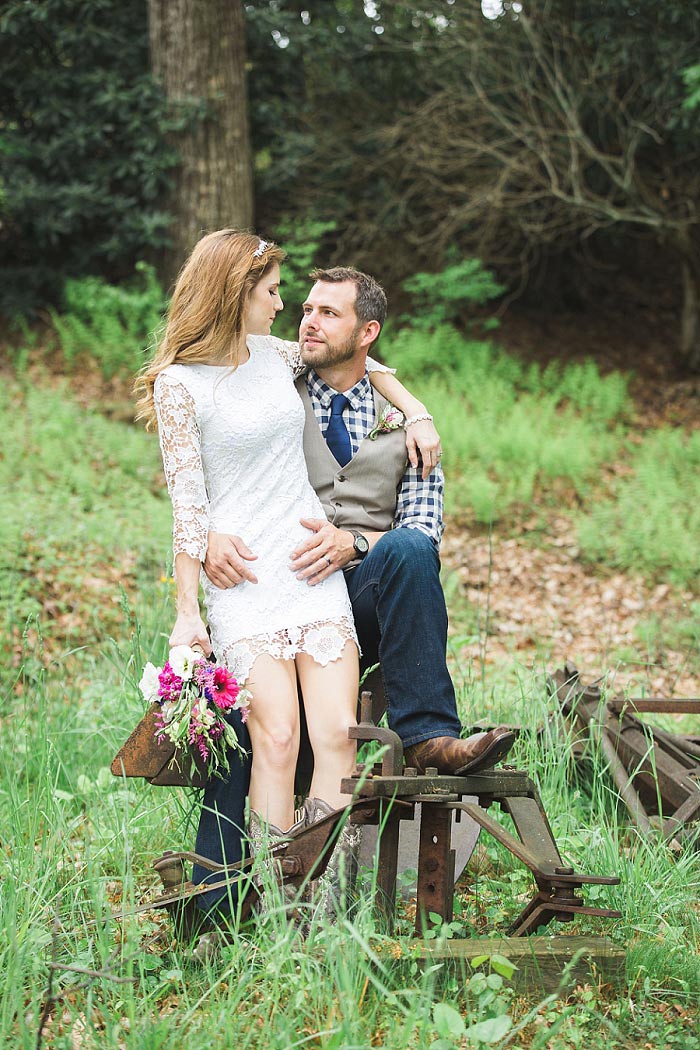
(174, 376)
(283, 349)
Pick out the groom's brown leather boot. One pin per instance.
(452, 756)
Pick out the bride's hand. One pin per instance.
(422, 437)
(190, 630)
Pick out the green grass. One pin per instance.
(84, 602)
(510, 431)
(651, 523)
(86, 515)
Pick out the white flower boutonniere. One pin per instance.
(390, 418)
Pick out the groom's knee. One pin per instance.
(410, 550)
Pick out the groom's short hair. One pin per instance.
(370, 297)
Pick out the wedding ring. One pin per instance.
(328, 559)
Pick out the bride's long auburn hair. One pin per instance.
(205, 317)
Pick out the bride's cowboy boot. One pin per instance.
(331, 892)
(262, 837)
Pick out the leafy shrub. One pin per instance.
(111, 323)
(439, 298)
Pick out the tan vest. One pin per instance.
(362, 494)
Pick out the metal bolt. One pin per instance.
(431, 771)
(410, 771)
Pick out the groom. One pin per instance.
(383, 528)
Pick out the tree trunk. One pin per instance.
(690, 317)
(198, 53)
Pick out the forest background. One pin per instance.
(524, 179)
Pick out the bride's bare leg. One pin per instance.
(274, 734)
(330, 702)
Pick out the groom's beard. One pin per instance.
(326, 355)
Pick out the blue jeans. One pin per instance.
(401, 619)
(222, 823)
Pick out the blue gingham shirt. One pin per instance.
(418, 502)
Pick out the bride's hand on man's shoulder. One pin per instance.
(423, 442)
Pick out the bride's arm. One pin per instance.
(421, 435)
(179, 441)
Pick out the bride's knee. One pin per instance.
(333, 736)
(277, 746)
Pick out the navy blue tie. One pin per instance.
(337, 437)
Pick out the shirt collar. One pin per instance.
(356, 395)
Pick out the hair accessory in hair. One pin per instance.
(260, 249)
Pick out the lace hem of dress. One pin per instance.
(323, 642)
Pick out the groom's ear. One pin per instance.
(369, 334)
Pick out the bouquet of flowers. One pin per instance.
(194, 696)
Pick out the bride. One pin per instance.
(230, 422)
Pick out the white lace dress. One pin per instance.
(232, 444)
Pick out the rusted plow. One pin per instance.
(386, 795)
(657, 773)
(557, 885)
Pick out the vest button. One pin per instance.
(341, 477)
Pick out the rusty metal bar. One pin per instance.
(388, 862)
(436, 861)
(533, 827)
(673, 824)
(628, 794)
(489, 783)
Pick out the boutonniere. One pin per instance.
(390, 418)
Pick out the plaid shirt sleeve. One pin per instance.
(419, 503)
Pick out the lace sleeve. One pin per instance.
(182, 462)
(374, 366)
(289, 352)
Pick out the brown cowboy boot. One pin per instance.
(452, 756)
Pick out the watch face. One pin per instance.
(361, 544)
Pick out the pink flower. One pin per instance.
(201, 674)
(223, 688)
(390, 419)
(169, 684)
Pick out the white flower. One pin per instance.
(167, 711)
(243, 699)
(182, 660)
(149, 683)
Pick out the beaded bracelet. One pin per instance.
(417, 419)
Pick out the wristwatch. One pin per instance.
(361, 544)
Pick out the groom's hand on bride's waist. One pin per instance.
(225, 563)
(327, 549)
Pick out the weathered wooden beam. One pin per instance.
(544, 963)
(650, 705)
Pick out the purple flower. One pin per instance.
(169, 684)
